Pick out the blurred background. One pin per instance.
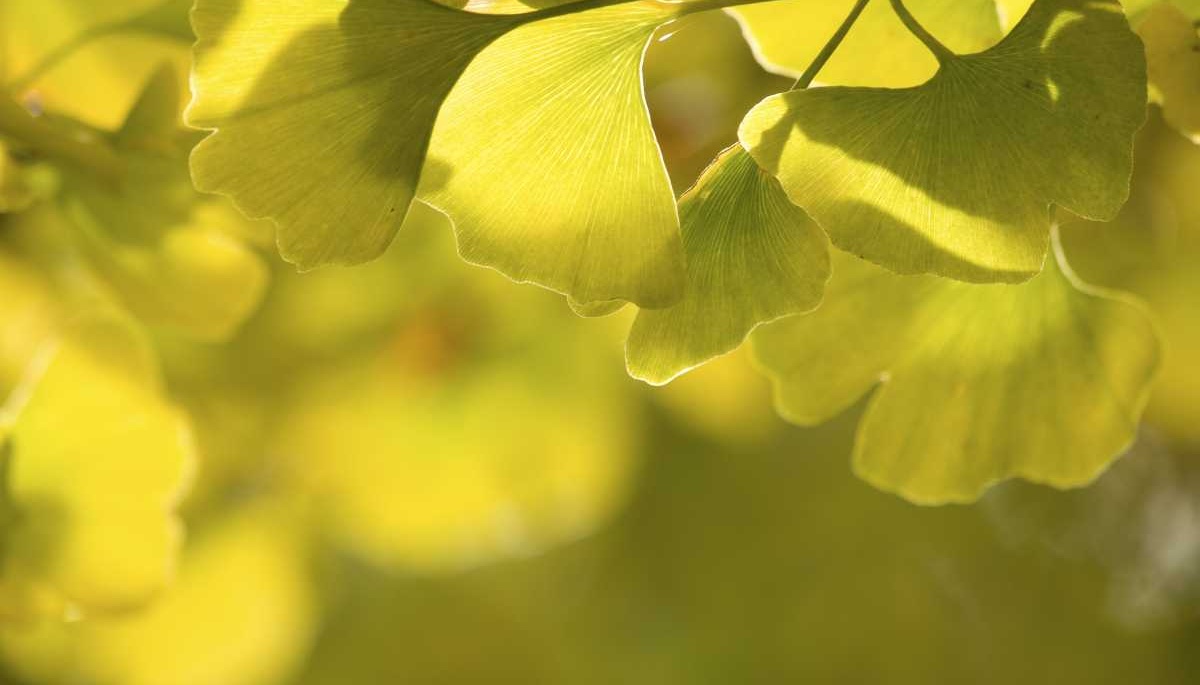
(416, 471)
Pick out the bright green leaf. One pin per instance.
(98, 461)
(879, 51)
(752, 257)
(955, 177)
(583, 204)
(1044, 381)
(323, 117)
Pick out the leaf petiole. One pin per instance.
(95, 156)
(831, 47)
(941, 52)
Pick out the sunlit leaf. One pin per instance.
(323, 114)
(752, 257)
(97, 461)
(879, 51)
(955, 177)
(324, 110)
(1044, 381)
(558, 105)
(241, 613)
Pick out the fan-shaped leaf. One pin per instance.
(324, 112)
(955, 177)
(1044, 381)
(752, 257)
(97, 461)
(787, 35)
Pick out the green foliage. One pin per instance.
(1048, 115)
(753, 257)
(980, 383)
(411, 420)
(788, 35)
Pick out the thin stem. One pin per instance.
(831, 47)
(697, 6)
(941, 52)
(96, 157)
(683, 7)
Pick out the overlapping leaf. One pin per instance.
(752, 257)
(324, 112)
(787, 35)
(955, 177)
(170, 254)
(1044, 381)
(96, 462)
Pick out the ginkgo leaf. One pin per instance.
(1044, 381)
(955, 177)
(879, 51)
(169, 253)
(88, 59)
(97, 462)
(324, 112)
(584, 205)
(1173, 62)
(752, 257)
(242, 612)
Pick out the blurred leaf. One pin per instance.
(15, 192)
(241, 613)
(28, 315)
(1045, 381)
(97, 462)
(1048, 114)
(879, 51)
(752, 257)
(430, 474)
(169, 253)
(1173, 60)
(87, 59)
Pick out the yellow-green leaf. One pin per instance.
(171, 255)
(955, 177)
(549, 167)
(1044, 381)
(879, 51)
(242, 612)
(752, 257)
(323, 110)
(1173, 61)
(323, 114)
(97, 462)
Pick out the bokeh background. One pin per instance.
(416, 471)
